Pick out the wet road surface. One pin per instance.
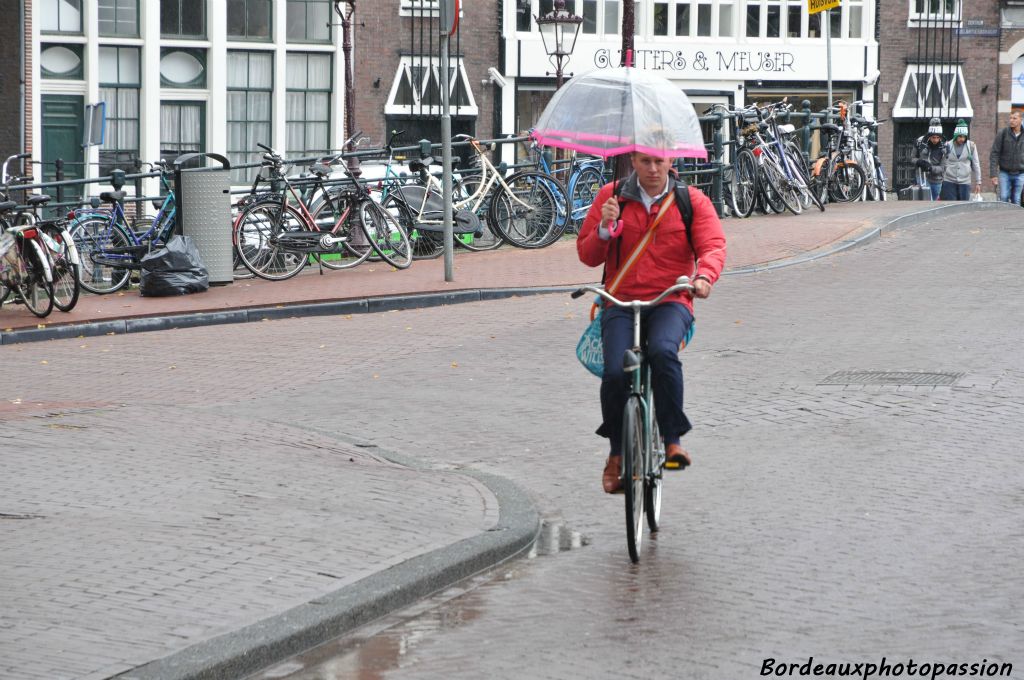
(855, 493)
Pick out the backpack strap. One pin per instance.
(686, 212)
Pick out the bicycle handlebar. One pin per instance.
(682, 283)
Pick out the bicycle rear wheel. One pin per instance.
(34, 290)
(653, 482)
(633, 475)
(347, 254)
(527, 215)
(426, 245)
(256, 239)
(584, 190)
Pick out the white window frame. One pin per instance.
(419, 8)
(917, 19)
(913, 72)
(404, 71)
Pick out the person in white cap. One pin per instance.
(931, 157)
(962, 165)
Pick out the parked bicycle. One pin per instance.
(111, 248)
(276, 232)
(643, 451)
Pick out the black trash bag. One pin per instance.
(175, 269)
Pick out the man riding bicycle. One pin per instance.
(614, 228)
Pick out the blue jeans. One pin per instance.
(662, 330)
(956, 192)
(936, 188)
(1010, 185)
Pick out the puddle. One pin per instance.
(554, 538)
(369, 652)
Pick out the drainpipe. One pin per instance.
(21, 76)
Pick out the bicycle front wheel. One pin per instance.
(526, 215)
(66, 274)
(633, 475)
(97, 237)
(652, 485)
(744, 186)
(845, 180)
(388, 237)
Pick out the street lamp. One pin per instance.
(558, 30)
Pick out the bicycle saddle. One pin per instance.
(112, 196)
(7, 206)
(320, 169)
(38, 199)
(422, 164)
(158, 203)
(829, 127)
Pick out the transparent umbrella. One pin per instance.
(616, 111)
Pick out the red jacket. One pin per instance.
(669, 254)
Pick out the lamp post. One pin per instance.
(558, 30)
(345, 13)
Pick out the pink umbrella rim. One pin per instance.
(685, 150)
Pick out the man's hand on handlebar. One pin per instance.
(701, 287)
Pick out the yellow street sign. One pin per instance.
(815, 6)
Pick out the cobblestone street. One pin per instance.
(843, 521)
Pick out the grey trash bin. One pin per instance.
(204, 212)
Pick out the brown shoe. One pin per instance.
(676, 458)
(612, 480)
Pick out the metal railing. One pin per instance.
(705, 174)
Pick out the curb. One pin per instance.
(423, 300)
(272, 640)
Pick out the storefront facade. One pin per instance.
(719, 51)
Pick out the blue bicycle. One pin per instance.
(109, 247)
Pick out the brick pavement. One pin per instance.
(844, 522)
(155, 496)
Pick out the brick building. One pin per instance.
(397, 65)
(938, 58)
(12, 70)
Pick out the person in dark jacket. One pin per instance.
(608, 238)
(931, 157)
(1007, 158)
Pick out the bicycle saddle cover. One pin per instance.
(38, 199)
(422, 164)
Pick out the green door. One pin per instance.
(63, 134)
